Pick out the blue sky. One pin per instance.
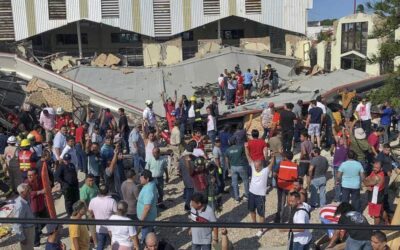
(324, 9)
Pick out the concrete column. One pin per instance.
(219, 29)
(78, 32)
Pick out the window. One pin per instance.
(57, 9)
(211, 7)
(187, 36)
(355, 37)
(109, 8)
(68, 39)
(253, 7)
(353, 62)
(162, 17)
(232, 34)
(125, 37)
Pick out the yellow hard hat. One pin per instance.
(25, 143)
(193, 98)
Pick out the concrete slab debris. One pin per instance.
(61, 63)
(100, 61)
(35, 85)
(112, 60)
(36, 98)
(127, 71)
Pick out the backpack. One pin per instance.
(287, 174)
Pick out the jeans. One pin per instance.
(366, 125)
(328, 135)
(212, 134)
(282, 197)
(385, 137)
(287, 138)
(82, 164)
(102, 239)
(182, 129)
(187, 195)
(338, 188)
(242, 172)
(201, 247)
(160, 188)
(358, 244)
(355, 197)
(145, 232)
(231, 97)
(221, 93)
(266, 133)
(318, 184)
(298, 246)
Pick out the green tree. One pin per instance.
(389, 12)
(360, 8)
(327, 22)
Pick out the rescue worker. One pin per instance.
(68, 178)
(26, 158)
(194, 115)
(285, 177)
(12, 164)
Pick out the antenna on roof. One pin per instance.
(355, 6)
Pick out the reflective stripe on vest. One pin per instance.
(24, 158)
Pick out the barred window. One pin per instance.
(162, 17)
(211, 7)
(57, 9)
(253, 6)
(109, 8)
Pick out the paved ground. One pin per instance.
(232, 212)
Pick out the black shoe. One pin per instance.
(187, 208)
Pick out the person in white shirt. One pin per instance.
(101, 208)
(70, 149)
(149, 118)
(150, 145)
(59, 142)
(301, 238)
(211, 125)
(363, 111)
(123, 237)
(257, 190)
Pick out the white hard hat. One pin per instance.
(60, 111)
(12, 140)
(148, 102)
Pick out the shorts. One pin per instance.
(314, 129)
(303, 168)
(256, 202)
(247, 86)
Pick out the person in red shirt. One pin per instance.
(256, 147)
(239, 97)
(169, 106)
(37, 201)
(80, 133)
(373, 140)
(199, 139)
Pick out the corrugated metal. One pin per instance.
(19, 17)
(147, 20)
(137, 23)
(126, 14)
(73, 13)
(177, 18)
(95, 10)
(31, 16)
(42, 18)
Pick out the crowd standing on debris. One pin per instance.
(99, 146)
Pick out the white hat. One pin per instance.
(12, 140)
(148, 102)
(359, 134)
(60, 111)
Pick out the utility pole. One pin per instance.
(355, 6)
(78, 32)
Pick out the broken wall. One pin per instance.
(321, 52)
(208, 45)
(262, 44)
(162, 53)
(299, 47)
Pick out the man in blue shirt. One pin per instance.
(386, 120)
(146, 207)
(248, 79)
(350, 175)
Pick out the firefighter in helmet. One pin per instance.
(27, 159)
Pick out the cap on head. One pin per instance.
(12, 140)
(67, 157)
(149, 102)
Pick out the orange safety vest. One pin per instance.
(24, 158)
(287, 175)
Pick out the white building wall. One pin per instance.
(321, 50)
(397, 59)
(372, 44)
(290, 15)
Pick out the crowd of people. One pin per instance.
(125, 171)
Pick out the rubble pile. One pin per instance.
(40, 92)
(104, 60)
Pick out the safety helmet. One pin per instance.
(25, 143)
(12, 140)
(67, 157)
(193, 98)
(148, 102)
(60, 111)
